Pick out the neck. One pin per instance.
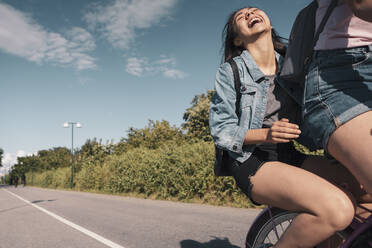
(262, 51)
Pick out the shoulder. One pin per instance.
(240, 63)
(224, 76)
(226, 69)
(226, 66)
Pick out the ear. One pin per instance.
(238, 42)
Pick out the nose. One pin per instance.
(247, 14)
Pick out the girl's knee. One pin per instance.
(341, 213)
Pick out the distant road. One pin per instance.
(41, 218)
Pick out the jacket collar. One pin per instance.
(252, 67)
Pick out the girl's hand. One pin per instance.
(362, 9)
(282, 132)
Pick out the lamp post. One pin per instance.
(66, 125)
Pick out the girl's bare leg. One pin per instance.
(324, 208)
(337, 174)
(351, 144)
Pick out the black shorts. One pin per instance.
(283, 152)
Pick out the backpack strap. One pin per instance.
(321, 26)
(222, 156)
(331, 6)
(237, 84)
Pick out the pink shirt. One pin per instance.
(343, 29)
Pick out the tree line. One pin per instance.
(157, 133)
(160, 161)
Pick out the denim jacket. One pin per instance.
(227, 129)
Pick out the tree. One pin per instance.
(94, 152)
(152, 136)
(43, 160)
(54, 158)
(1, 156)
(197, 117)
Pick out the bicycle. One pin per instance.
(271, 223)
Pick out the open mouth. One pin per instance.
(254, 21)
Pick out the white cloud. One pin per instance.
(22, 36)
(120, 20)
(166, 61)
(136, 66)
(143, 66)
(10, 159)
(175, 74)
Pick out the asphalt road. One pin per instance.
(38, 218)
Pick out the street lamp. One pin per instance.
(66, 125)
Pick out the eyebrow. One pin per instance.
(241, 12)
(236, 17)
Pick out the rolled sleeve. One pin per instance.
(224, 123)
(238, 140)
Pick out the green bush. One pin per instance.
(175, 172)
(55, 178)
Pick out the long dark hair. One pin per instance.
(229, 34)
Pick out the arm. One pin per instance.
(362, 9)
(223, 121)
(281, 132)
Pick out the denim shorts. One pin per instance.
(338, 87)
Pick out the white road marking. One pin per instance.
(73, 225)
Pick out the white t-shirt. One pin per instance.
(343, 29)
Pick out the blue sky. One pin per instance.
(110, 65)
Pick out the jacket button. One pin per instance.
(235, 147)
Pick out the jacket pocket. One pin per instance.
(248, 93)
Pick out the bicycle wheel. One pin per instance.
(267, 229)
(364, 240)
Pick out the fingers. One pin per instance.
(287, 129)
(286, 124)
(287, 136)
(281, 137)
(277, 140)
(282, 131)
(284, 120)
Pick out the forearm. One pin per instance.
(256, 136)
(280, 132)
(361, 9)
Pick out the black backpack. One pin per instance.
(302, 41)
(222, 156)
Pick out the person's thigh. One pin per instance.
(351, 144)
(295, 189)
(336, 173)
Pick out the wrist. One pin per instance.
(265, 135)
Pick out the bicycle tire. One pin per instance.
(263, 229)
(364, 240)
